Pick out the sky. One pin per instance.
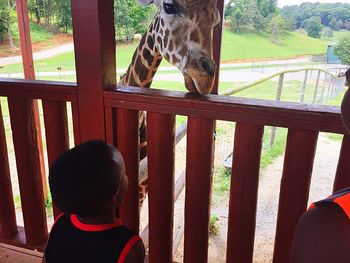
(282, 3)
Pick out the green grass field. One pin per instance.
(257, 46)
(235, 47)
(38, 34)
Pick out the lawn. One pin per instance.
(257, 46)
(235, 47)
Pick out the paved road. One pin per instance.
(49, 53)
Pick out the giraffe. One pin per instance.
(182, 33)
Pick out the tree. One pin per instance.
(333, 15)
(246, 16)
(313, 27)
(236, 19)
(250, 15)
(64, 15)
(131, 18)
(342, 50)
(7, 21)
(277, 28)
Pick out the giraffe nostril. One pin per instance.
(207, 65)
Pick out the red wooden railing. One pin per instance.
(304, 123)
(21, 96)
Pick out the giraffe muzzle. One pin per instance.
(200, 75)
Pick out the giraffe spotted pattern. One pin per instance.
(181, 33)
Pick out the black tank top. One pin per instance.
(71, 241)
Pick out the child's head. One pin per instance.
(88, 179)
(345, 107)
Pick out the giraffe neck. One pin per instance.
(145, 61)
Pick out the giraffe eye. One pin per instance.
(170, 9)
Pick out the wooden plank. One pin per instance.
(244, 192)
(76, 128)
(303, 87)
(161, 169)
(110, 123)
(28, 167)
(179, 186)
(29, 73)
(94, 41)
(261, 112)
(39, 139)
(20, 241)
(8, 224)
(10, 254)
(316, 87)
(295, 185)
(199, 168)
(128, 144)
(35, 89)
(56, 130)
(324, 87)
(342, 178)
(180, 134)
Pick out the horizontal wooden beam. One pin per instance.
(260, 112)
(38, 89)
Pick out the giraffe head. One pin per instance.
(182, 32)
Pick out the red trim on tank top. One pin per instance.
(94, 228)
(131, 243)
(59, 216)
(344, 203)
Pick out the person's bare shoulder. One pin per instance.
(322, 236)
(137, 253)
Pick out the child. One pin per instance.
(323, 233)
(88, 184)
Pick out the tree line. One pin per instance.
(55, 16)
(317, 19)
(248, 15)
(335, 16)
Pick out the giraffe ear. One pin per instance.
(146, 2)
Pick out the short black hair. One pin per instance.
(83, 179)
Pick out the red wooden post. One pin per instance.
(26, 45)
(56, 130)
(199, 169)
(342, 178)
(295, 185)
(110, 125)
(29, 73)
(7, 207)
(161, 169)
(244, 192)
(28, 167)
(217, 45)
(128, 144)
(94, 41)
